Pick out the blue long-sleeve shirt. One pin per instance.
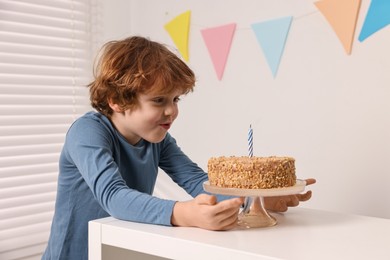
(101, 174)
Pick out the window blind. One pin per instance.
(46, 52)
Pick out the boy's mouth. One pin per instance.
(166, 125)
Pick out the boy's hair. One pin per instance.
(134, 66)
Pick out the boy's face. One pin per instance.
(150, 120)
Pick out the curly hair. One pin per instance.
(133, 66)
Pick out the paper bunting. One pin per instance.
(342, 16)
(272, 36)
(378, 17)
(218, 41)
(178, 28)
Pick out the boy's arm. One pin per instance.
(205, 212)
(89, 148)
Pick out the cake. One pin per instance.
(251, 172)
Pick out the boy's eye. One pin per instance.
(158, 100)
(161, 100)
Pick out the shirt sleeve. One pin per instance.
(181, 169)
(90, 147)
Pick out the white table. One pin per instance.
(300, 234)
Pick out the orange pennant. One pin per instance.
(342, 16)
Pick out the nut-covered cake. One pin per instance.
(252, 172)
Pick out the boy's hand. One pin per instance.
(281, 203)
(204, 212)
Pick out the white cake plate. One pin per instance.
(254, 214)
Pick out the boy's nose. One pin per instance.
(171, 109)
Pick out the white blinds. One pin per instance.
(46, 51)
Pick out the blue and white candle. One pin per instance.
(250, 141)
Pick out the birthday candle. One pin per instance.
(250, 141)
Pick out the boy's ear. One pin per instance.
(115, 107)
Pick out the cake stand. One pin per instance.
(254, 214)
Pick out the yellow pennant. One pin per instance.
(342, 16)
(178, 28)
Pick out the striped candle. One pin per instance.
(250, 141)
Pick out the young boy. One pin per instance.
(110, 159)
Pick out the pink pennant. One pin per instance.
(218, 41)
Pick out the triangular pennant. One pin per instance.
(342, 16)
(218, 41)
(378, 17)
(272, 36)
(178, 28)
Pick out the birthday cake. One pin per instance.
(252, 172)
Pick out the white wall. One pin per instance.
(327, 109)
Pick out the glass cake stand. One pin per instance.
(254, 214)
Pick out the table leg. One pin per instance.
(94, 241)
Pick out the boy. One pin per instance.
(110, 159)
